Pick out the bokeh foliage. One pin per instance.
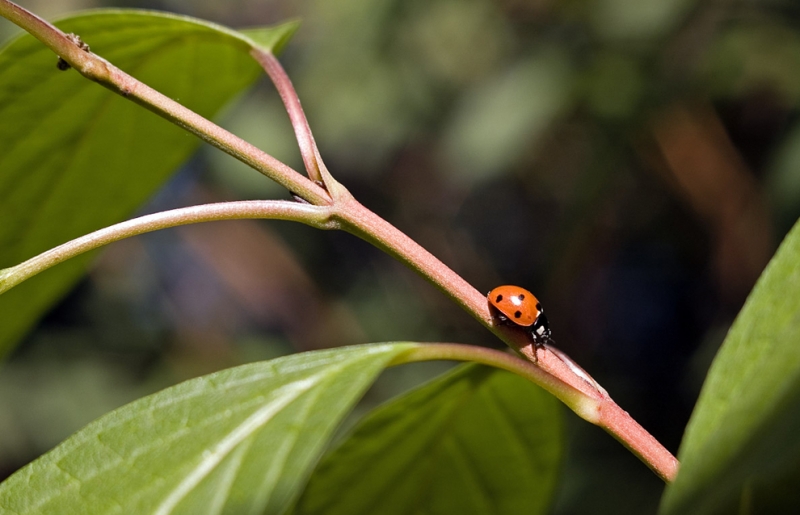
(633, 163)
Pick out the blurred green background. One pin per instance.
(635, 164)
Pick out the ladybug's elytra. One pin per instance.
(517, 306)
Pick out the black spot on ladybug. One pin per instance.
(521, 296)
(517, 314)
(499, 298)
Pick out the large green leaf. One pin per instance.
(477, 441)
(238, 441)
(745, 428)
(75, 157)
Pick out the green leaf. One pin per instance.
(270, 39)
(745, 426)
(476, 441)
(238, 441)
(75, 157)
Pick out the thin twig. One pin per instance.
(312, 159)
(302, 130)
(315, 216)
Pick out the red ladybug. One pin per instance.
(517, 306)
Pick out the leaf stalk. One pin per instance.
(315, 216)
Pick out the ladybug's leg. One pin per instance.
(537, 344)
(501, 318)
(540, 333)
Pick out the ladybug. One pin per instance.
(517, 306)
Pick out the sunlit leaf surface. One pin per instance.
(745, 426)
(238, 441)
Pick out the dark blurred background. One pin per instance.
(635, 164)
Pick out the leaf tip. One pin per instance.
(272, 38)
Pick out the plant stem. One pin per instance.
(602, 411)
(619, 424)
(553, 371)
(360, 221)
(315, 216)
(302, 130)
(579, 402)
(101, 71)
(305, 138)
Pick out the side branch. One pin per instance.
(312, 159)
(315, 216)
(302, 131)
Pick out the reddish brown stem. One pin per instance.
(302, 130)
(619, 424)
(365, 224)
